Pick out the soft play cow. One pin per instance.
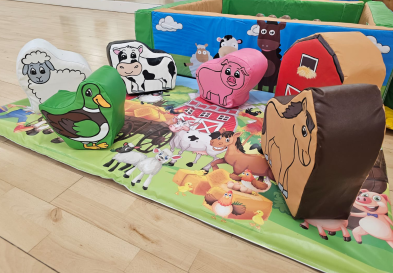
(375, 220)
(221, 83)
(142, 69)
(228, 44)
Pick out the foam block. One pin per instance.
(227, 81)
(91, 117)
(142, 69)
(43, 70)
(321, 144)
(330, 58)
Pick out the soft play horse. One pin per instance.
(236, 157)
(287, 134)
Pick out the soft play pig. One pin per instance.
(227, 81)
(375, 220)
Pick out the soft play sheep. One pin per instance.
(201, 56)
(41, 72)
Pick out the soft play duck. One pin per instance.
(91, 116)
(257, 219)
(187, 187)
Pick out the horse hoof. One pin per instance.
(132, 184)
(324, 237)
(190, 164)
(303, 226)
(347, 239)
(145, 188)
(126, 176)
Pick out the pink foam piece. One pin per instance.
(227, 81)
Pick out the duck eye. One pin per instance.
(88, 92)
(377, 198)
(227, 140)
(32, 71)
(228, 71)
(237, 74)
(304, 131)
(42, 70)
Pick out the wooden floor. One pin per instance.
(55, 218)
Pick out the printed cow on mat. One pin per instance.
(141, 68)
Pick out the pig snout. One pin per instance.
(363, 199)
(231, 80)
(132, 69)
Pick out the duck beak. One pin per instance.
(100, 101)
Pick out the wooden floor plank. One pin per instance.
(72, 245)
(33, 173)
(146, 262)
(14, 260)
(4, 187)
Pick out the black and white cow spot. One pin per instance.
(148, 75)
(193, 138)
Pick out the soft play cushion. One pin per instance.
(321, 145)
(142, 69)
(227, 81)
(91, 117)
(42, 70)
(330, 58)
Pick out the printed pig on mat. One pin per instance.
(91, 117)
(321, 145)
(227, 81)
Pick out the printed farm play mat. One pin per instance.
(182, 141)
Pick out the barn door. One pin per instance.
(207, 126)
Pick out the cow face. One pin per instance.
(371, 202)
(229, 40)
(269, 34)
(129, 64)
(202, 55)
(181, 125)
(233, 75)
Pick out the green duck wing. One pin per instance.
(86, 128)
(63, 124)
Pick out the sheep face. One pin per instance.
(38, 73)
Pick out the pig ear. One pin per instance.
(156, 150)
(140, 48)
(116, 51)
(176, 157)
(363, 190)
(224, 62)
(239, 41)
(243, 70)
(386, 197)
(219, 39)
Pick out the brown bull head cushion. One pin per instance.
(321, 145)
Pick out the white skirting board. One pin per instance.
(108, 5)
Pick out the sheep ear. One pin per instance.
(25, 69)
(176, 157)
(50, 65)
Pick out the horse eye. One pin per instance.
(219, 138)
(228, 71)
(377, 198)
(42, 70)
(272, 32)
(227, 139)
(32, 71)
(88, 93)
(263, 31)
(237, 74)
(304, 131)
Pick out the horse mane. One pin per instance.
(294, 109)
(238, 143)
(215, 135)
